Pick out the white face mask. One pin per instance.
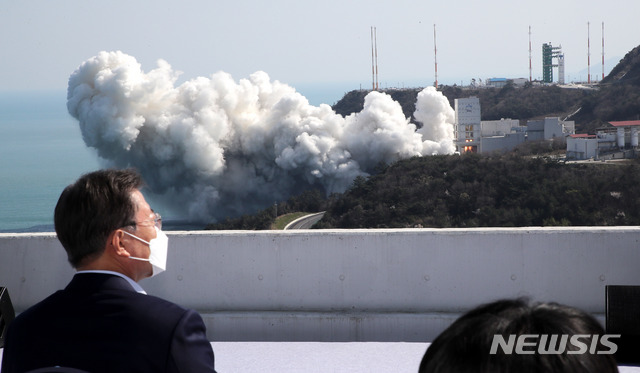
(159, 247)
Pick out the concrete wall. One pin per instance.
(353, 285)
(580, 148)
(498, 127)
(535, 130)
(501, 143)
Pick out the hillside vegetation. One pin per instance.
(489, 191)
(473, 190)
(310, 200)
(508, 102)
(618, 97)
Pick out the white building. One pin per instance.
(477, 136)
(498, 127)
(503, 82)
(502, 143)
(497, 82)
(468, 126)
(501, 135)
(627, 133)
(582, 146)
(549, 128)
(620, 141)
(520, 82)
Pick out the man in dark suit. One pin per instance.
(103, 321)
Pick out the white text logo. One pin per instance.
(528, 344)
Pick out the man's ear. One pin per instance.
(116, 243)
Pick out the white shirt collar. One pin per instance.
(133, 284)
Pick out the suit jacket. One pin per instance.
(99, 323)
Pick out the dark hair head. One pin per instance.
(91, 208)
(465, 346)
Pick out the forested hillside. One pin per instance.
(618, 97)
(481, 191)
(508, 102)
(472, 190)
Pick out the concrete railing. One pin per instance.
(353, 285)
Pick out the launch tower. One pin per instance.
(549, 52)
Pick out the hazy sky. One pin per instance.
(300, 42)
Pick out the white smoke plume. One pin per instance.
(214, 147)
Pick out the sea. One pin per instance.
(42, 151)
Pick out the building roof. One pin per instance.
(582, 136)
(625, 123)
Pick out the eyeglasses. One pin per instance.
(157, 221)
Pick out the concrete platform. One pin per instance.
(322, 357)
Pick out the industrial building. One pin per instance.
(582, 146)
(477, 136)
(467, 124)
(615, 142)
(549, 128)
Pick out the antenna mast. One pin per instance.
(603, 50)
(588, 54)
(435, 54)
(530, 80)
(373, 68)
(375, 33)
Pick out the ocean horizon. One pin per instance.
(42, 151)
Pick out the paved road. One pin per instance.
(305, 222)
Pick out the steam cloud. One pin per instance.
(215, 147)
